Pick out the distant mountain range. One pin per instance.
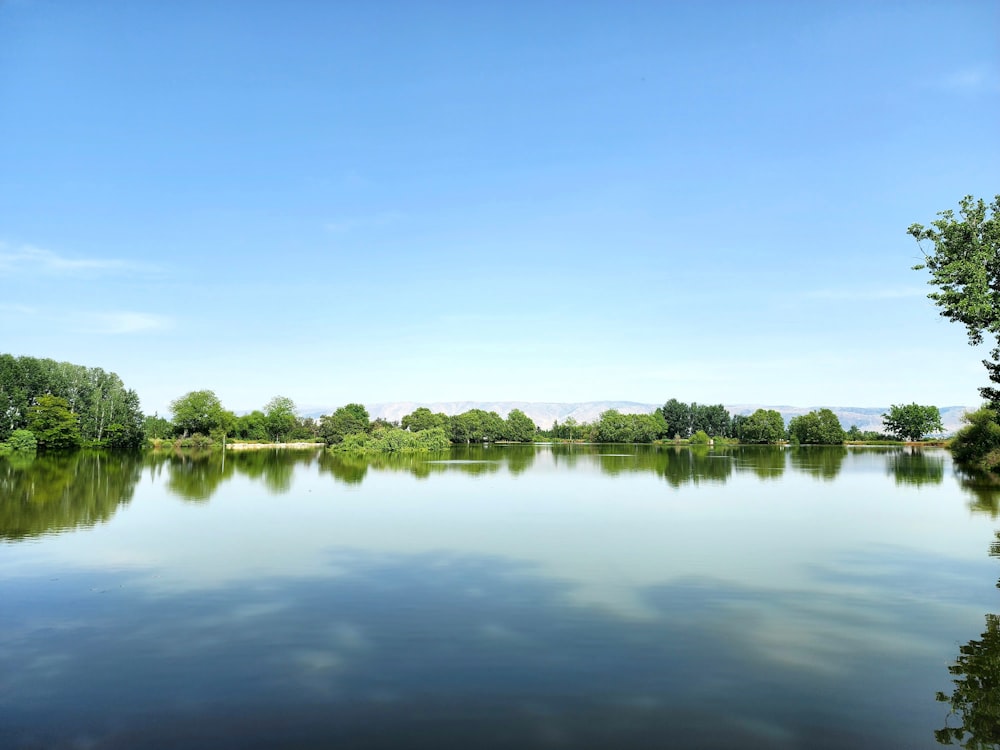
(545, 413)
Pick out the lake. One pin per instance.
(502, 597)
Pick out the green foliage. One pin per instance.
(157, 427)
(682, 420)
(763, 426)
(977, 445)
(252, 426)
(678, 418)
(700, 437)
(55, 427)
(519, 427)
(615, 427)
(912, 421)
(394, 440)
(97, 398)
(817, 428)
(965, 267)
(22, 441)
(5, 449)
(197, 411)
(351, 419)
(476, 426)
(423, 418)
(280, 418)
(571, 430)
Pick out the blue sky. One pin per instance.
(540, 201)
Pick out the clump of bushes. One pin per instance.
(394, 440)
(700, 438)
(20, 441)
(977, 445)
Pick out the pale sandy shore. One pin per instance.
(258, 446)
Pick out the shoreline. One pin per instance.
(268, 446)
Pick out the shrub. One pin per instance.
(394, 440)
(22, 441)
(700, 438)
(977, 445)
(5, 450)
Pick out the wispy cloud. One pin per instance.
(123, 322)
(973, 79)
(350, 223)
(38, 260)
(15, 309)
(866, 294)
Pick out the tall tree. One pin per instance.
(912, 421)
(347, 420)
(817, 428)
(677, 417)
(519, 427)
(763, 426)
(965, 267)
(423, 418)
(55, 427)
(197, 411)
(280, 418)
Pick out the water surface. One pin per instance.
(551, 596)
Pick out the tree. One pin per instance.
(965, 267)
(54, 426)
(519, 427)
(763, 426)
(677, 417)
(975, 699)
(347, 420)
(714, 420)
(912, 421)
(197, 411)
(252, 426)
(423, 418)
(615, 427)
(977, 445)
(280, 418)
(817, 428)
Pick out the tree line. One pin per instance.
(201, 413)
(51, 405)
(700, 423)
(62, 406)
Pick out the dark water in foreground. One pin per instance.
(549, 597)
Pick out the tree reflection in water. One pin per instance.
(914, 466)
(54, 492)
(975, 700)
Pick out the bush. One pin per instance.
(977, 445)
(5, 450)
(394, 440)
(700, 438)
(22, 441)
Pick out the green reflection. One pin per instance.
(196, 475)
(53, 492)
(985, 491)
(767, 462)
(916, 467)
(975, 701)
(820, 461)
(690, 465)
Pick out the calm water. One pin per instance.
(535, 597)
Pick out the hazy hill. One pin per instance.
(545, 413)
